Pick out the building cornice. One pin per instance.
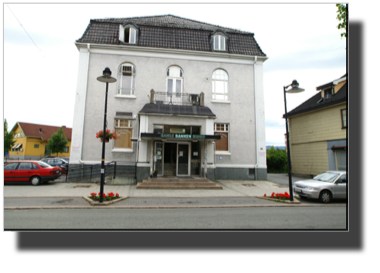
(170, 53)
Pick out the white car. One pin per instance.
(325, 187)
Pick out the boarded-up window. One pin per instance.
(124, 132)
(222, 131)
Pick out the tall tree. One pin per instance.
(8, 138)
(342, 17)
(57, 142)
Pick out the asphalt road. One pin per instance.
(329, 217)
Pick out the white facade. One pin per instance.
(243, 110)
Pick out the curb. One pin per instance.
(172, 207)
(295, 201)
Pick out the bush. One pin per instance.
(277, 160)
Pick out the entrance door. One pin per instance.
(159, 156)
(183, 159)
(170, 159)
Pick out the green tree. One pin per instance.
(8, 138)
(342, 17)
(57, 142)
(277, 160)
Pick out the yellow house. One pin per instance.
(32, 139)
(318, 131)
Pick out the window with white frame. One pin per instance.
(219, 42)
(128, 34)
(174, 80)
(66, 149)
(126, 80)
(220, 85)
(221, 129)
(124, 132)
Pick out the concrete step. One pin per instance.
(177, 183)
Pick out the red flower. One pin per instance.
(108, 135)
(111, 194)
(93, 194)
(265, 194)
(117, 194)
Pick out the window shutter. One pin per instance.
(132, 36)
(121, 33)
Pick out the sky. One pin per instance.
(41, 59)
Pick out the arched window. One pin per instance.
(126, 79)
(174, 80)
(220, 85)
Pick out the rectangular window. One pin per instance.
(328, 93)
(124, 132)
(36, 146)
(221, 129)
(66, 150)
(343, 118)
(127, 80)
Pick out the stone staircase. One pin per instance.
(178, 184)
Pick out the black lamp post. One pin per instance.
(107, 79)
(294, 89)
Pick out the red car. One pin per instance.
(36, 172)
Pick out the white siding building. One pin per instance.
(188, 101)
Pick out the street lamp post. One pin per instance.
(107, 79)
(294, 89)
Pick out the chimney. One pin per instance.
(152, 96)
(202, 99)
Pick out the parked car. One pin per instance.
(63, 164)
(36, 172)
(325, 186)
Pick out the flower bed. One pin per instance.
(280, 197)
(109, 197)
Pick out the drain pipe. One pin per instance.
(254, 86)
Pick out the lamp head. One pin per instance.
(295, 88)
(106, 76)
(107, 72)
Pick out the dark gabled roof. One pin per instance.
(316, 102)
(33, 130)
(167, 109)
(168, 31)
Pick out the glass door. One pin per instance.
(183, 159)
(158, 157)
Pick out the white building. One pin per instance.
(188, 101)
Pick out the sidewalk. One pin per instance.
(70, 195)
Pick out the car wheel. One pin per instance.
(35, 180)
(325, 197)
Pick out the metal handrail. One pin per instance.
(162, 97)
(84, 171)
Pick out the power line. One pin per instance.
(25, 31)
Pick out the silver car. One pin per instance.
(325, 186)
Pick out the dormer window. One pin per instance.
(328, 93)
(219, 42)
(128, 34)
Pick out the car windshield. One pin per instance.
(326, 177)
(43, 164)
